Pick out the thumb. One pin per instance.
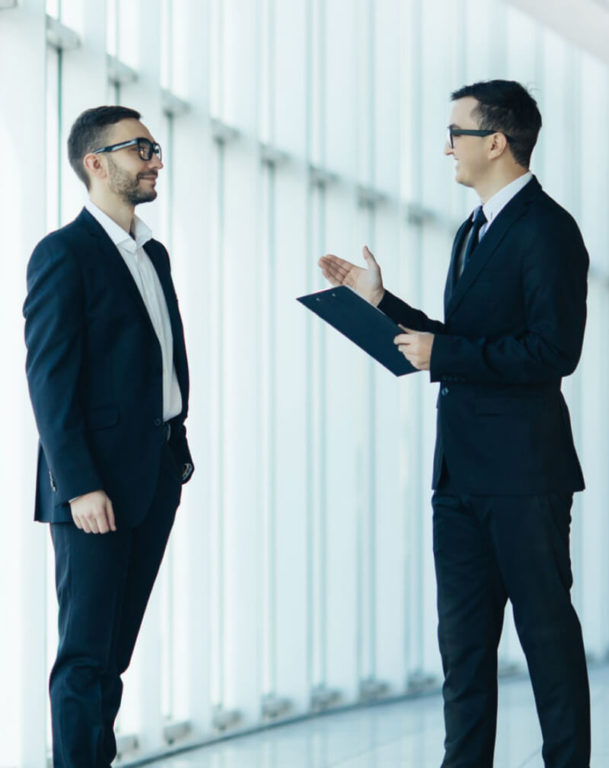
(368, 256)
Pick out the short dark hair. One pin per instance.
(89, 132)
(507, 107)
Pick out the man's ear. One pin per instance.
(94, 165)
(499, 144)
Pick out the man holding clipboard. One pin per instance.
(505, 466)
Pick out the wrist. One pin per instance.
(377, 297)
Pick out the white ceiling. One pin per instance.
(584, 22)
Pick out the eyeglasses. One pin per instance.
(452, 132)
(145, 148)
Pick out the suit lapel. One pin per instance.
(158, 259)
(454, 258)
(115, 262)
(164, 276)
(489, 243)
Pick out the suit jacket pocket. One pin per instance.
(102, 418)
(496, 406)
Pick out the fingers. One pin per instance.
(334, 269)
(110, 516)
(416, 347)
(336, 261)
(404, 339)
(93, 513)
(79, 524)
(88, 522)
(100, 523)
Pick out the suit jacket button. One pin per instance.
(158, 422)
(444, 391)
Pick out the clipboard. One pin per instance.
(365, 325)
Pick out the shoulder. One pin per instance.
(546, 229)
(66, 238)
(56, 257)
(551, 239)
(547, 217)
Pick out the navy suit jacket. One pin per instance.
(513, 327)
(94, 371)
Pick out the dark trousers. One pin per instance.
(486, 550)
(103, 586)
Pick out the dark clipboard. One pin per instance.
(359, 321)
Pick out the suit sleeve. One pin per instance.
(404, 314)
(548, 346)
(182, 452)
(54, 336)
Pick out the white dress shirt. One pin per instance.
(492, 208)
(149, 286)
(494, 205)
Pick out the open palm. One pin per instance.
(368, 282)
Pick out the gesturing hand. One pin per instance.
(416, 347)
(367, 282)
(93, 513)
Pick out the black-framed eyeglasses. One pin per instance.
(145, 148)
(452, 132)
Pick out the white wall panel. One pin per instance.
(302, 555)
(23, 545)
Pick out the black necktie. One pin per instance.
(479, 221)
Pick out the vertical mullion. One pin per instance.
(169, 650)
(59, 136)
(417, 516)
(310, 596)
(371, 369)
(220, 433)
(322, 389)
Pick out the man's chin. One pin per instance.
(461, 180)
(147, 197)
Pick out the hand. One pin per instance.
(367, 282)
(93, 513)
(416, 347)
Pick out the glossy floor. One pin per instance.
(401, 735)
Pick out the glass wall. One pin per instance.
(299, 576)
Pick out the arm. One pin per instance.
(369, 284)
(416, 346)
(403, 314)
(549, 346)
(54, 330)
(179, 444)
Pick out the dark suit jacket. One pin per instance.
(514, 326)
(94, 370)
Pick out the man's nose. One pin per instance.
(155, 162)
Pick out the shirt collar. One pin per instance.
(493, 207)
(120, 237)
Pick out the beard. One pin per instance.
(127, 186)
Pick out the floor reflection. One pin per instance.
(402, 735)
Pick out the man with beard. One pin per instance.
(108, 379)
